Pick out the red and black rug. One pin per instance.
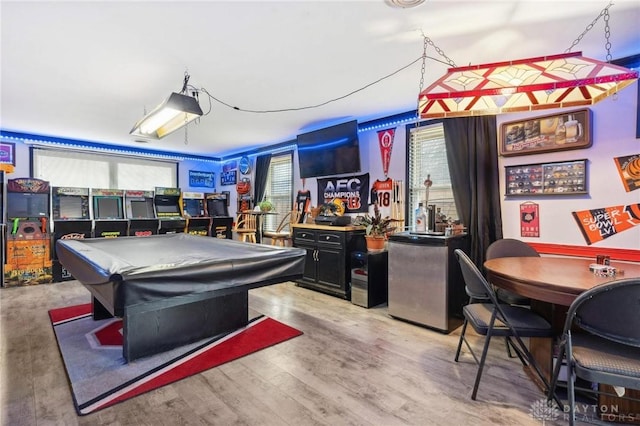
(100, 376)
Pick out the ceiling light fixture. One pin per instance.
(177, 111)
(558, 81)
(555, 81)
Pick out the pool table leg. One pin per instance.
(155, 327)
(99, 311)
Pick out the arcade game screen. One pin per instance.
(27, 204)
(107, 208)
(70, 207)
(142, 209)
(168, 208)
(217, 207)
(194, 207)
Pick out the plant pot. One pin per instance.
(374, 242)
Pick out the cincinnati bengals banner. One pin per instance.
(629, 170)
(352, 190)
(385, 140)
(599, 224)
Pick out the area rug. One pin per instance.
(100, 376)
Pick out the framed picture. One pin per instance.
(569, 130)
(228, 178)
(8, 153)
(559, 178)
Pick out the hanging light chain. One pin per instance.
(440, 51)
(605, 13)
(422, 72)
(607, 34)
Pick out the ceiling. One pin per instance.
(88, 70)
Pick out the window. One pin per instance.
(428, 158)
(279, 189)
(87, 170)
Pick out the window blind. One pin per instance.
(428, 157)
(88, 170)
(279, 188)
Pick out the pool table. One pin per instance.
(174, 289)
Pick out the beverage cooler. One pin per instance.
(426, 286)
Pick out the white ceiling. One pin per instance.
(88, 69)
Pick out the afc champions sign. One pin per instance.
(352, 190)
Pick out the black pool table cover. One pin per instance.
(126, 271)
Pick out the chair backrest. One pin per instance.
(610, 311)
(246, 222)
(476, 285)
(509, 247)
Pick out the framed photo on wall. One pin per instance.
(569, 130)
(558, 178)
(8, 153)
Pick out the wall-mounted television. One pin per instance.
(330, 151)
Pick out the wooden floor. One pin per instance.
(352, 366)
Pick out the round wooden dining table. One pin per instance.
(553, 283)
(557, 280)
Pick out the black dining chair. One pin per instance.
(492, 318)
(601, 340)
(510, 247)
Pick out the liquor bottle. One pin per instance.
(421, 218)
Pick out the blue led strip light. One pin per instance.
(95, 146)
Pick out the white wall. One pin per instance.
(613, 133)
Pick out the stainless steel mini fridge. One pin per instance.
(425, 282)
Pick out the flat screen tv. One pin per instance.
(330, 151)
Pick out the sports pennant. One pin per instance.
(385, 140)
(599, 224)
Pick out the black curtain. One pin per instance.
(472, 154)
(262, 171)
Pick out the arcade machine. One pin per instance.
(108, 213)
(71, 221)
(167, 202)
(28, 257)
(217, 208)
(2, 226)
(198, 223)
(141, 214)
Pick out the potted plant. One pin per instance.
(376, 228)
(266, 206)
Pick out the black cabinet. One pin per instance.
(327, 265)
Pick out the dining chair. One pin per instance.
(601, 340)
(246, 227)
(492, 318)
(510, 247)
(280, 236)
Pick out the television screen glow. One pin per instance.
(331, 151)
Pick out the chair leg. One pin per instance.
(508, 343)
(464, 328)
(482, 359)
(571, 393)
